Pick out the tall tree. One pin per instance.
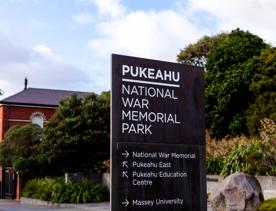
(19, 145)
(197, 53)
(263, 87)
(77, 138)
(230, 68)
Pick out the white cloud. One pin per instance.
(161, 34)
(149, 34)
(152, 34)
(257, 16)
(156, 34)
(42, 49)
(114, 8)
(41, 65)
(83, 19)
(46, 52)
(108, 8)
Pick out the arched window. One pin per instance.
(38, 118)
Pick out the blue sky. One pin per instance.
(66, 44)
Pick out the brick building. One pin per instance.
(32, 105)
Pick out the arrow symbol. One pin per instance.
(126, 154)
(125, 164)
(125, 203)
(125, 174)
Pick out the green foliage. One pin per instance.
(197, 53)
(23, 139)
(56, 190)
(263, 86)
(19, 145)
(75, 140)
(39, 189)
(77, 137)
(230, 68)
(256, 158)
(240, 81)
(82, 192)
(268, 205)
(229, 155)
(214, 165)
(5, 156)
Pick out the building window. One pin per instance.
(38, 118)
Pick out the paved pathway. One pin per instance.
(12, 205)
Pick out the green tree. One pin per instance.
(77, 137)
(263, 87)
(19, 145)
(230, 68)
(197, 53)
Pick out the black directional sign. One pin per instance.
(157, 132)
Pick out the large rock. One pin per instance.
(237, 192)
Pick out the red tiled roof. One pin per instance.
(42, 97)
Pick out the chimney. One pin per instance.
(25, 83)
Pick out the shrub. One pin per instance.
(79, 192)
(268, 205)
(214, 165)
(255, 157)
(56, 190)
(226, 156)
(217, 150)
(221, 148)
(267, 129)
(39, 189)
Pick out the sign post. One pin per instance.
(157, 136)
